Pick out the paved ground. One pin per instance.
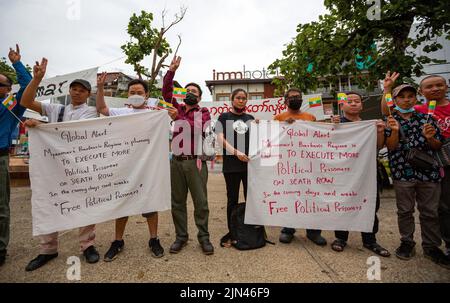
(300, 261)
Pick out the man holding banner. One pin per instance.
(10, 114)
(80, 91)
(351, 110)
(137, 98)
(293, 99)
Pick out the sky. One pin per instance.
(217, 34)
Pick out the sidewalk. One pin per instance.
(300, 261)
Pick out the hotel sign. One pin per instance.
(244, 74)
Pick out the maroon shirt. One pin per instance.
(202, 114)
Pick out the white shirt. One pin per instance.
(126, 111)
(71, 112)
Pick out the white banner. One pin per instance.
(264, 109)
(312, 175)
(91, 171)
(59, 86)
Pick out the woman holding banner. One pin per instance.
(234, 136)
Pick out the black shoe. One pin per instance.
(437, 256)
(2, 260)
(207, 247)
(156, 248)
(91, 254)
(177, 246)
(317, 239)
(406, 251)
(39, 261)
(286, 238)
(114, 250)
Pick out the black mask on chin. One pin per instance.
(191, 99)
(295, 103)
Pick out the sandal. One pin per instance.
(226, 241)
(338, 245)
(378, 249)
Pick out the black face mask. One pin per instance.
(295, 103)
(238, 110)
(191, 99)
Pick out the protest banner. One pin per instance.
(267, 108)
(312, 175)
(59, 86)
(91, 171)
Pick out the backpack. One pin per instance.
(245, 236)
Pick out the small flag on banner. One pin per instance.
(389, 100)
(315, 101)
(10, 102)
(431, 107)
(342, 98)
(179, 93)
(164, 104)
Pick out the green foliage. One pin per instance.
(144, 41)
(7, 70)
(345, 42)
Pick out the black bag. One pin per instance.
(417, 158)
(244, 236)
(443, 155)
(421, 160)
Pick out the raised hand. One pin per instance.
(101, 80)
(40, 69)
(389, 81)
(14, 55)
(175, 63)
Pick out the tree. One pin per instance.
(9, 71)
(148, 41)
(346, 42)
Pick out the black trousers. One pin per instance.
(233, 183)
(367, 238)
(444, 208)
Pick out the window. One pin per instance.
(256, 97)
(222, 97)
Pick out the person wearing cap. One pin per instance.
(434, 87)
(293, 101)
(351, 113)
(409, 130)
(80, 91)
(137, 99)
(8, 124)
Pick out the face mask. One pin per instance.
(405, 111)
(136, 101)
(191, 99)
(239, 110)
(295, 103)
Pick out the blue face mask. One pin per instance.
(405, 111)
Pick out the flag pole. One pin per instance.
(15, 116)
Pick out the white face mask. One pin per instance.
(136, 101)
